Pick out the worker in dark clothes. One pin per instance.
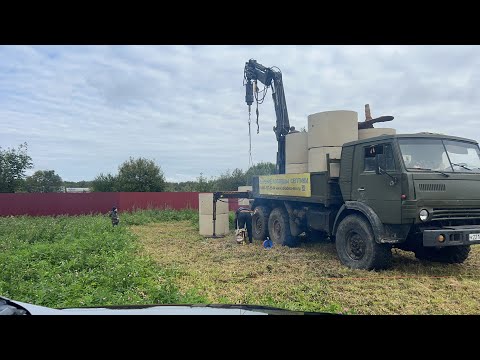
(114, 216)
(243, 216)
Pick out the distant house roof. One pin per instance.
(77, 190)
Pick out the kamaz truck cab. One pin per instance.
(419, 192)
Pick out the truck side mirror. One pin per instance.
(380, 163)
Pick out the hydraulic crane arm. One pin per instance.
(270, 78)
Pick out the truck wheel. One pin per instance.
(449, 255)
(356, 246)
(260, 223)
(279, 228)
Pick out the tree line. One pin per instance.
(228, 181)
(140, 174)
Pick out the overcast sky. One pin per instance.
(83, 110)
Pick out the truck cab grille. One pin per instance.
(431, 187)
(454, 214)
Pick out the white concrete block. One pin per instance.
(206, 224)
(296, 168)
(227, 225)
(205, 204)
(317, 157)
(243, 202)
(245, 188)
(296, 148)
(332, 128)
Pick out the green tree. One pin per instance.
(43, 182)
(171, 186)
(262, 168)
(230, 181)
(104, 183)
(203, 185)
(77, 184)
(13, 164)
(141, 175)
(187, 186)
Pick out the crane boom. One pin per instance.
(270, 78)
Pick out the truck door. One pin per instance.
(378, 190)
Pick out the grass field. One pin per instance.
(159, 257)
(309, 278)
(83, 261)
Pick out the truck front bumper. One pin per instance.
(453, 236)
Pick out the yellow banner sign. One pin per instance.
(285, 184)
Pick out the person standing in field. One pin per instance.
(114, 216)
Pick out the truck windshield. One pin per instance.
(420, 154)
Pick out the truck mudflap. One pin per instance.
(452, 236)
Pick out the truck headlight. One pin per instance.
(423, 215)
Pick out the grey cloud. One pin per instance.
(184, 105)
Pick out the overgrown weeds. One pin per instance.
(81, 261)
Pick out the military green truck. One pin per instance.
(416, 192)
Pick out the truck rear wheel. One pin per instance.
(449, 255)
(260, 223)
(279, 228)
(356, 245)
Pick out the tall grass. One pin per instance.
(142, 217)
(83, 261)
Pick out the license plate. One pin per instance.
(474, 237)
